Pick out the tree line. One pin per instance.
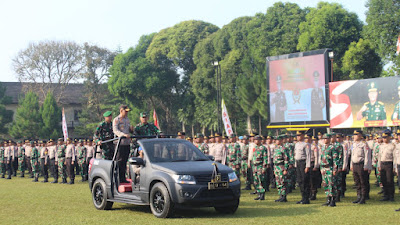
(172, 71)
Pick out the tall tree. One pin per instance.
(6, 116)
(330, 26)
(47, 63)
(383, 29)
(361, 61)
(143, 84)
(51, 118)
(28, 121)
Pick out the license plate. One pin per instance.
(218, 185)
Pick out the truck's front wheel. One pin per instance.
(160, 202)
(99, 195)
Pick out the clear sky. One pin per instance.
(113, 23)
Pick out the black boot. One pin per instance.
(328, 201)
(22, 175)
(3, 176)
(391, 198)
(258, 197)
(45, 180)
(362, 200)
(306, 199)
(397, 210)
(301, 201)
(262, 196)
(357, 200)
(55, 181)
(247, 188)
(279, 199)
(338, 196)
(385, 198)
(313, 196)
(342, 196)
(254, 193)
(381, 192)
(64, 181)
(83, 179)
(283, 199)
(333, 202)
(71, 181)
(36, 178)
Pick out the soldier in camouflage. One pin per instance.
(244, 165)
(82, 160)
(260, 165)
(281, 165)
(338, 177)
(329, 167)
(291, 177)
(60, 158)
(21, 158)
(35, 162)
(104, 132)
(144, 128)
(234, 157)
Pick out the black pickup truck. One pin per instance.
(171, 173)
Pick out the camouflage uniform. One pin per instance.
(104, 132)
(260, 163)
(375, 163)
(62, 167)
(281, 163)
(338, 177)
(244, 165)
(35, 163)
(291, 177)
(234, 157)
(21, 160)
(203, 147)
(329, 164)
(146, 129)
(82, 153)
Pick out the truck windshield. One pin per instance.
(173, 152)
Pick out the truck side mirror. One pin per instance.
(136, 161)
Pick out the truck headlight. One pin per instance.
(232, 177)
(184, 179)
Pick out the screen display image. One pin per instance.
(365, 103)
(297, 89)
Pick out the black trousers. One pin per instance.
(315, 179)
(303, 178)
(398, 175)
(387, 178)
(70, 168)
(44, 168)
(53, 168)
(360, 178)
(28, 164)
(15, 166)
(267, 180)
(9, 168)
(122, 158)
(272, 176)
(344, 186)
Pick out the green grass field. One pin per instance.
(25, 202)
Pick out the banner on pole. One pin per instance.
(155, 119)
(64, 126)
(225, 118)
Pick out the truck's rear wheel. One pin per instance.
(99, 195)
(160, 202)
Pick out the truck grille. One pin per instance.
(204, 179)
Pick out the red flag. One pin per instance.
(398, 45)
(155, 119)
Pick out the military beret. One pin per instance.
(205, 138)
(225, 137)
(307, 136)
(358, 132)
(245, 137)
(385, 135)
(19, 142)
(10, 141)
(269, 137)
(211, 136)
(232, 135)
(372, 87)
(50, 140)
(319, 134)
(107, 113)
(252, 135)
(338, 134)
(32, 142)
(299, 132)
(26, 141)
(314, 138)
(326, 136)
(143, 114)
(217, 134)
(199, 135)
(258, 137)
(181, 133)
(189, 138)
